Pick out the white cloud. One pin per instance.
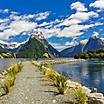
(59, 46)
(50, 32)
(84, 41)
(16, 27)
(98, 4)
(15, 23)
(41, 16)
(95, 34)
(20, 26)
(74, 27)
(44, 24)
(75, 30)
(68, 22)
(79, 16)
(84, 16)
(72, 43)
(4, 10)
(36, 16)
(78, 6)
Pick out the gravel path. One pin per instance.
(29, 88)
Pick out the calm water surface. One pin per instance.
(89, 73)
(5, 63)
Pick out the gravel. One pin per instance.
(30, 88)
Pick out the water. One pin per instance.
(5, 63)
(89, 73)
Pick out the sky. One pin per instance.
(64, 23)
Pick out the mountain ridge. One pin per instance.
(94, 43)
(34, 47)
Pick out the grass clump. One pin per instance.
(9, 77)
(50, 74)
(80, 96)
(59, 80)
(61, 84)
(35, 63)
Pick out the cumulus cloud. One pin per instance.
(84, 41)
(59, 46)
(41, 16)
(72, 26)
(4, 10)
(15, 23)
(98, 4)
(78, 6)
(95, 34)
(15, 28)
(72, 43)
(78, 17)
(83, 16)
(75, 30)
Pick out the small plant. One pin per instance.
(9, 77)
(35, 63)
(50, 74)
(80, 96)
(61, 84)
(59, 80)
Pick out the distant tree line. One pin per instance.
(99, 54)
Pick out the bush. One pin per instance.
(80, 96)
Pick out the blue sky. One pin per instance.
(63, 22)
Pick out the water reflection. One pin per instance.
(90, 73)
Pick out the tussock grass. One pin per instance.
(9, 77)
(80, 96)
(59, 80)
(36, 63)
(7, 55)
(61, 84)
(50, 74)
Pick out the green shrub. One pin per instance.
(61, 84)
(80, 96)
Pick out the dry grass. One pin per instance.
(9, 77)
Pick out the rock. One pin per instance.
(96, 95)
(86, 89)
(94, 90)
(95, 101)
(95, 98)
(73, 84)
(54, 101)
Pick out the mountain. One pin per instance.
(72, 51)
(93, 43)
(36, 46)
(50, 49)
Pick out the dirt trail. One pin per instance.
(29, 88)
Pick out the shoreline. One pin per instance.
(93, 96)
(30, 88)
